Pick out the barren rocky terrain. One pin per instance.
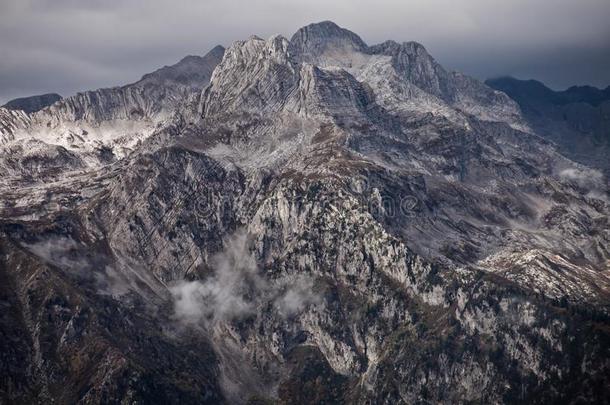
(304, 220)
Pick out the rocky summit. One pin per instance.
(304, 220)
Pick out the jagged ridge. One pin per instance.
(403, 240)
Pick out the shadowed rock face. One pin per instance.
(575, 119)
(324, 222)
(33, 103)
(156, 93)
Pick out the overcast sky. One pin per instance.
(67, 46)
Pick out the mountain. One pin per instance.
(107, 124)
(33, 103)
(575, 119)
(324, 221)
(412, 76)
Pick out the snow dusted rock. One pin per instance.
(10, 122)
(413, 63)
(325, 44)
(254, 76)
(35, 159)
(111, 122)
(326, 221)
(156, 93)
(331, 92)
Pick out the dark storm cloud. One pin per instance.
(71, 45)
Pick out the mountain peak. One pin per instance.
(326, 24)
(334, 224)
(413, 62)
(254, 74)
(393, 48)
(218, 49)
(316, 39)
(192, 70)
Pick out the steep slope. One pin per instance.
(326, 223)
(575, 119)
(10, 122)
(409, 74)
(155, 94)
(107, 124)
(64, 341)
(478, 176)
(33, 103)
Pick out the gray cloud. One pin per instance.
(72, 45)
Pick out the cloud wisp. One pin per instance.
(237, 288)
(108, 276)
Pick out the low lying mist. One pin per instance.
(109, 275)
(590, 180)
(238, 288)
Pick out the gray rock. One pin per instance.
(325, 221)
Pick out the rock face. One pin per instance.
(33, 103)
(326, 221)
(156, 93)
(107, 124)
(10, 122)
(326, 39)
(405, 71)
(576, 119)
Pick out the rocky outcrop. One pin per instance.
(254, 76)
(36, 161)
(412, 62)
